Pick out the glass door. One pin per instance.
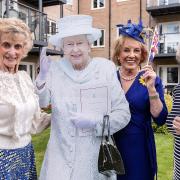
(169, 75)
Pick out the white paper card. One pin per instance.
(94, 100)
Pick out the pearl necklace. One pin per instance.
(127, 78)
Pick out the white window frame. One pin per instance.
(98, 5)
(98, 41)
(28, 64)
(167, 2)
(164, 73)
(50, 26)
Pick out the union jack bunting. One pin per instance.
(154, 45)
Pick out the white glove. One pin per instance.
(45, 63)
(84, 120)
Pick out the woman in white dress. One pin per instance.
(81, 91)
(20, 114)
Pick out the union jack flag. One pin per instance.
(154, 45)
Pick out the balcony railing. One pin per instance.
(48, 2)
(36, 20)
(153, 3)
(168, 43)
(163, 7)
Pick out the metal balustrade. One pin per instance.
(36, 20)
(168, 43)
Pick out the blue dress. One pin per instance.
(136, 141)
(18, 164)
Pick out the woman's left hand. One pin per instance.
(149, 76)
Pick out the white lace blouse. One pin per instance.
(20, 114)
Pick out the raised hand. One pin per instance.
(149, 76)
(45, 63)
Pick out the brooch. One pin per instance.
(141, 81)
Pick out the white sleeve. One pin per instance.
(120, 114)
(40, 122)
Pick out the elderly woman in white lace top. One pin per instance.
(20, 114)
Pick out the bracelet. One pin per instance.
(154, 96)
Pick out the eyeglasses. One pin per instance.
(71, 45)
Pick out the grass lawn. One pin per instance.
(40, 142)
(164, 144)
(164, 147)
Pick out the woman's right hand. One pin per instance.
(176, 124)
(45, 63)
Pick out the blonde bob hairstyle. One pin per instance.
(118, 46)
(14, 25)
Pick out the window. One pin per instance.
(163, 2)
(173, 1)
(100, 42)
(51, 27)
(172, 28)
(169, 75)
(70, 2)
(29, 68)
(166, 2)
(169, 34)
(172, 75)
(96, 4)
(172, 47)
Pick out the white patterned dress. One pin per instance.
(72, 153)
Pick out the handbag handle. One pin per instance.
(105, 121)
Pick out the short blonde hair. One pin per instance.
(118, 46)
(14, 25)
(178, 53)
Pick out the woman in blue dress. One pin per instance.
(144, 92)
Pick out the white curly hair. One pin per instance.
(14, 25)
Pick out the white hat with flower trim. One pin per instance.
(75, 25)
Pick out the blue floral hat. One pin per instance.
(135, 31)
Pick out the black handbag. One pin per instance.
(109, 161)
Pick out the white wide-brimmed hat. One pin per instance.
(74, 25)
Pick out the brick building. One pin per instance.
(166, 15)
(106, 15)
(163, 13)
(31, 12)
